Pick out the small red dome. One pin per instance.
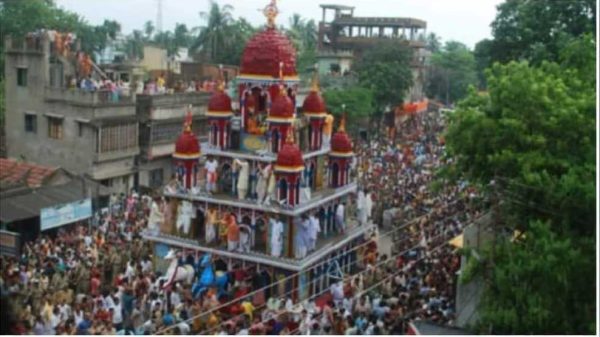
(265, 51)
(341, 143)
(282, 107)
(290, 156)
(187, 146)
(219, 102)
(314, 103)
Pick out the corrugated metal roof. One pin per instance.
(27, 203)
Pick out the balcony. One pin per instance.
(326, 244)
(318, 198)
(175, 99)
(347, 42)
(80, 97)
(119, 154)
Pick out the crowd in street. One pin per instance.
(99, 278)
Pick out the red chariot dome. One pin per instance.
(264, 52)
(219, 104)
(187, 146)
(289, 157)
(282, 106)
(341, 145)
(314, 104)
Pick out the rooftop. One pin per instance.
(331, 6)
(14, 172)
(380, 21)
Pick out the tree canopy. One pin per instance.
(533, 132)
(385, 69)
(538, 30)
(358, 103)
(452, 71)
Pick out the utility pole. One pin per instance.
(159, 16)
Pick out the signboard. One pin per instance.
(57, 216)
(253, 142)
(9, 243)
(236, 123)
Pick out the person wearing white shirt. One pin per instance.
(314, 230)
(339, 218)
(211, 175)
(117, 314)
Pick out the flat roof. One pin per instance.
(330, 6)
(381, 21)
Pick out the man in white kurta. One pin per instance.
(368, 205)
(276, 237)
(263, 180)
(243, 169)
(155, 219)
(211, 175)
(340, 214)
(314, 230)
(361, 208)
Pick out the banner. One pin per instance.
(9, 243)
(59, 215)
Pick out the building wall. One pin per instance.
(154, 58)
(164, 163)
(81, 114)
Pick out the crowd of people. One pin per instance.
(100, 278)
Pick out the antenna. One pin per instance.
(159, 16)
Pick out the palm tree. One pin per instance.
(214, 37)
(148, 29)
(434, 43)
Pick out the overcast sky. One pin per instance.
(463, 20)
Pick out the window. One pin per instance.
(106, 182)
(22, 77)
(30, 123)
(156, 178)
(55, 128)
(118, 137)
(80, 129)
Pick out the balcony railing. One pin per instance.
(83, 97)
(28, 44)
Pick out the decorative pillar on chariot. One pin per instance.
(186, 155)
(340, 157)
(314, 109)
(288, 171)
(219, 116)
(281, 116)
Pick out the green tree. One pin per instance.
(18, 18)
(434, 42)
(134, 45)
(538, 30)
(482, 54)
(533, 133)
(358, 103)
(149, 29)
(540, 285)
(214, 38)
(452, 72)
(385, 69)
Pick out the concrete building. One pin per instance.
(85, 132)
(343, 37)
(160, 124)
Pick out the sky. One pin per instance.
(466, 21)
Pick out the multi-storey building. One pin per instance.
(265, 150)
(343, 37)
(160, 123)
(122, 141)
(86, 132)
